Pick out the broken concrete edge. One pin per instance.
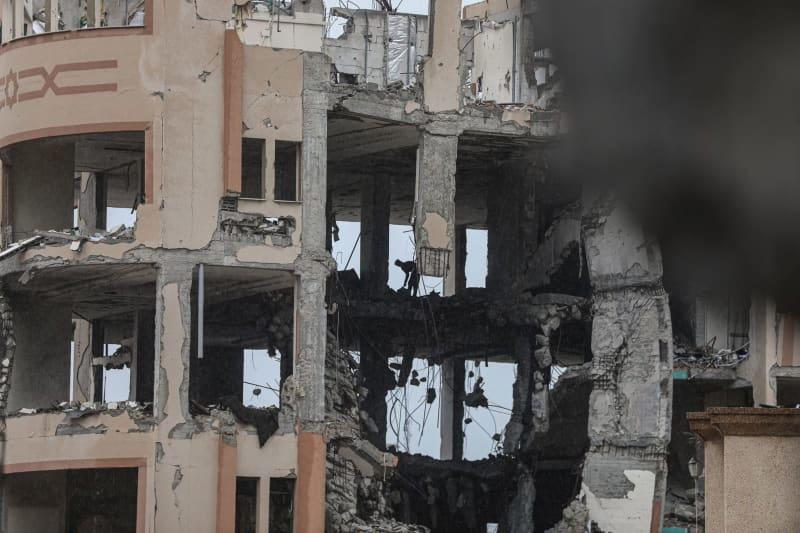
(407, 109)
(8, 348)
(218, 252)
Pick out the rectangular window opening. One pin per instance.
(419, 384)
(92, 183)
(246, 504)
(262, 378)
(123, 355)
(103, 499)
(477, 264)
(482, 425)
(281, 504)
(253, 168)
(287, 170)
(243, 326)
(95, 342)
(788, 392)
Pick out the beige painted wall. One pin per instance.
(761, 476)
(192, 504)
(178, 90)
(441, 70)
(303, 31)
(172, 81)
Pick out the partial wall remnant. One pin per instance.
(441, 70)
(624, 476)
(377, 49)
(7, 348)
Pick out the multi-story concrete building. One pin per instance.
(173, 177)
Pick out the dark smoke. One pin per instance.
(691, 110)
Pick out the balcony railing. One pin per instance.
(22, 18)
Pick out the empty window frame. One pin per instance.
(102, 499)
(246, 504)
(123, 357)
(281, 504)
(242, 338)
(253, 168)
(94, 182)
(287, 171)
(477, 264)
(788, 392)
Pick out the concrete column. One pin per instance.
(172, 360)
(87, 204)
(513, 228)
(51, 12)
(375, 374)
(7, 14)
(82, 361)
(502, 220)
(451, 393)
(375, 211)
(435, 210)
(94, 12)
(763, 349)
(630, 405)
(19, 18)
(451, 398)
(312, 269)
(173, 339)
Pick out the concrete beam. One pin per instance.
(371, 141)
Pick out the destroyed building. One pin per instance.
(204, 155)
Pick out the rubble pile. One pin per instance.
(341, 398)
(76, 410)
(356, 485)
(575, 519)
(684, 508)
(256, 227)
(705, 358)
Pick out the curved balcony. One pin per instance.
(70, 81)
